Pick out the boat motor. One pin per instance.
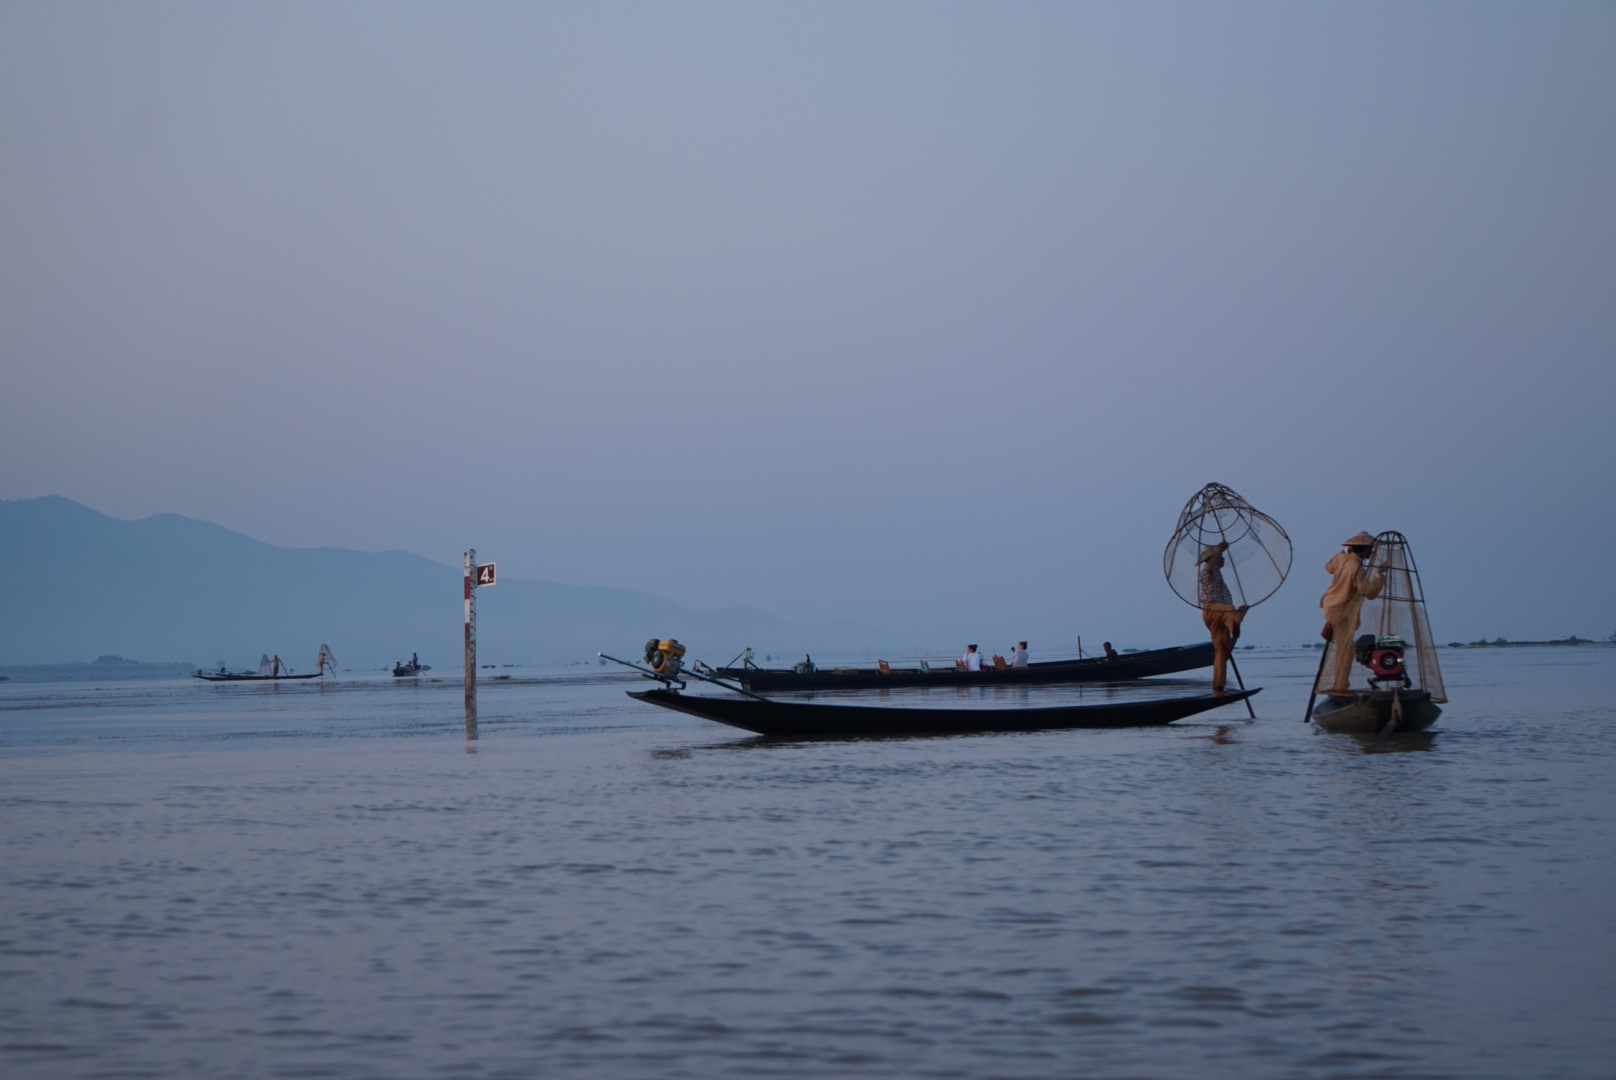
(664, 656)
(1383, 656)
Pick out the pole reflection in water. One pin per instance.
(471, 726)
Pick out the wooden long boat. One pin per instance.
(1124, 668)
(233, 676)
(814, 720)
(1370, 713)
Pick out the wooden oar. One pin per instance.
(1397, 714)
(1313, 690)
(1242, 684)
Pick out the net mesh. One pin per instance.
(1257, 558)
(1397, 611)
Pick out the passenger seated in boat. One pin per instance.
(1110, 653)
(971, 661)
(1018, 657)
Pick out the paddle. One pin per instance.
(1313, 691)
(1242, 684)
(1397, 714)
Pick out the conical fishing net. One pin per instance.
(1255, 561)
(1395, 614)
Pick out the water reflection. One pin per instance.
(1403, 742)
(471, 726)
(1400, 743)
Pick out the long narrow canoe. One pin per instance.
(230, 676)
(812, 720)
(1093, 669)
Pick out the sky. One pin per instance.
(927, 315)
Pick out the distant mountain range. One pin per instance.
(75, 584)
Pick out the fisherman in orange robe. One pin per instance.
(1351, 583)
(1222, 618)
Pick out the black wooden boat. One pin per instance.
(1377, 712)
(813, 720)
(1123, 668)
(402, 671)
(247, 676)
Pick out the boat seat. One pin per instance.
(999, 664)
(886, 668)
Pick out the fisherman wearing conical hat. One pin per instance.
(1351, 583)
(1222, 618)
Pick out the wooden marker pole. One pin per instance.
(471, 631)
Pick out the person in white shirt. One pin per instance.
(972, 660)
(1018, 658)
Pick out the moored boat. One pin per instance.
(816, 720)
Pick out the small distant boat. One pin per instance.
(270, 669)
(412, 667)
(1395, 686)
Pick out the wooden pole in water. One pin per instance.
(1313, 688)
(1242, 684)
(471, 631)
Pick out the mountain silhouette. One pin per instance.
(75, 584)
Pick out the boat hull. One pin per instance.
(1368, 714)
(229, 677)
(811, 720)
(1124, 668)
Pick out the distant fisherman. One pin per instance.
(1222, 618)
(1351, 583)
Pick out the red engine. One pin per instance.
(1386, 663)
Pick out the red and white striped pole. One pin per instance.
(471, 630)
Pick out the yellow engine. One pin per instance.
(664, 656)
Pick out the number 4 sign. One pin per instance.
(485, 574)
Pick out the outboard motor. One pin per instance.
(664, 656)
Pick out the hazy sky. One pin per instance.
(921, 314)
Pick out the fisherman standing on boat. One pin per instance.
(1222, 618)
(1351, 583)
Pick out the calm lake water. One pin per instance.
(308, 881)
